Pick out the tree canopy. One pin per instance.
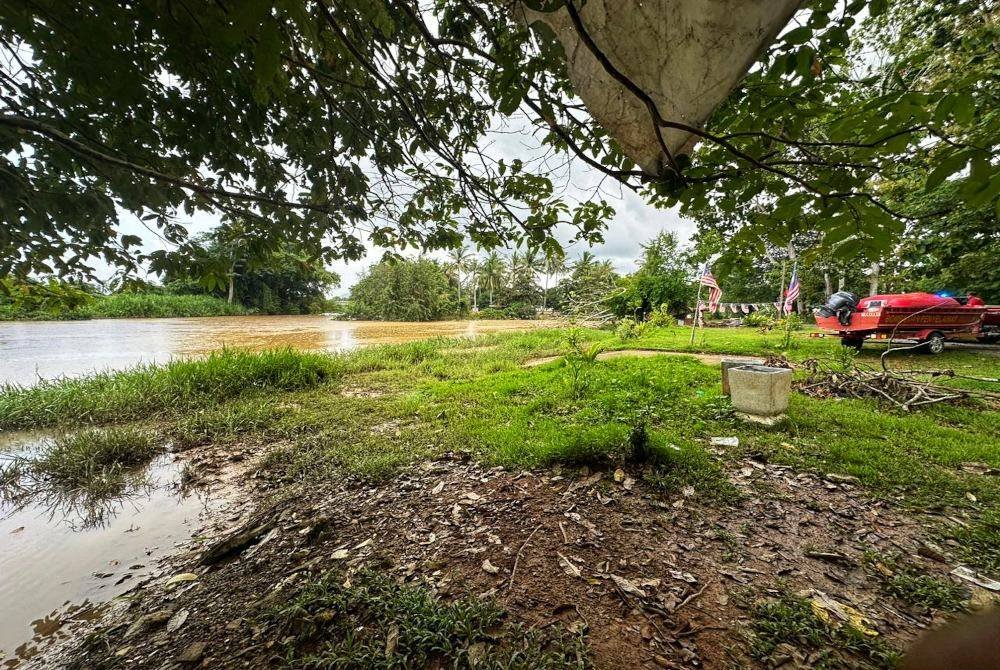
(336, 122)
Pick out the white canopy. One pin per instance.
(687, 55)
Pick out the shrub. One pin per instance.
(630, 329)
(760, 320)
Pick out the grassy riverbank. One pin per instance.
(314, 420)
(131, 306)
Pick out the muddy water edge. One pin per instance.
(66, 559)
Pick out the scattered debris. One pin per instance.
(568, 566)
(182, 577)
(237, 541)
(834, 613)
(898, 389)
(193, 653)
(177, 620)
(725, 441)
(977, 578)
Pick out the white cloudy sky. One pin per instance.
(635, 222)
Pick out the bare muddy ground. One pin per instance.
(653, 580)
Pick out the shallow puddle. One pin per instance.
(60, 558)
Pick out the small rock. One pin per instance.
(490, 568)
(193, 653)
(177, 620)
(932, 551)
(148, 622)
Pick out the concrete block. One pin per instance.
(760, 391)
(730, 363)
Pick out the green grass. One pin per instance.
(152, 305)
(915, 587)
(790, 620)
(376, 623)
(94, 462)
(150, 391)
(132, 306)
(402, 403)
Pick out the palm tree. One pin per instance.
(584, 263)
(475, 267)
(554, 265)
(492, 271)
(459, 257)
(534, 263)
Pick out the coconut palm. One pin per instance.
(459, 257)
(475, 268)
(555, 264)
(492, 270)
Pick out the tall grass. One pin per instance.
(131, 306)
(144, 305)
(148, 391)
(85, 459)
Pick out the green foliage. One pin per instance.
(403, 290)
(663, 281)
(287, 121)
(146, 391)
(115, 306)
(375, 623)
(229, 264)
(95, 462)
(914, 586)
(662, 318)
(49, 298)
(579, 359)
(762, 321)
(791, 620)
(629, 329)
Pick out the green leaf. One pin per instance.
(947, 167)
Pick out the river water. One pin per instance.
(61, 556)
(33, 350)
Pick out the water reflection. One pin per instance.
(30, 351)
(60, 548)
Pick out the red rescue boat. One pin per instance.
(925, 317)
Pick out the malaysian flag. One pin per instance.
(714, 293)
(792, 294)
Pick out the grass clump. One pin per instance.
(914, 586)
(147, 391)
(96, 462)
(790, 620)
(374, 623)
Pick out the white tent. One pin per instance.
(687, 55)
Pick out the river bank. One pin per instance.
(34, 351)
(444, 490)
(129, 306)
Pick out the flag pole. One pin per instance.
(697, 307)
(781, 291)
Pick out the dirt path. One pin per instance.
(707, 359)
(654, 579)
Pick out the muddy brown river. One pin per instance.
(60, 560)
(30, 351)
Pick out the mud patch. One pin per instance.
(652, 579)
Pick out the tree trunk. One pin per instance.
(232, 287)
(545, 291)
(840, 282)
(827, 283)
(873, 278)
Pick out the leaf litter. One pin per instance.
(656, 578)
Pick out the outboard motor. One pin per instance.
(841, 304)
